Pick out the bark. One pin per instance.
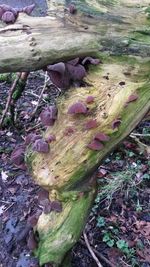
(114, 26)
(32, 43)
(121, 31)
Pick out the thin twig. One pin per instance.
(138, 141)
(9, 206)
(41, 95)
(5, 202)
(11, 91)
(91, 251)
(35, 127)
(100, 255)
(141, 135)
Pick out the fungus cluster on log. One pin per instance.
(31, 138)
(97, 142)
(36, 142)
(9, 14)
(63, 74)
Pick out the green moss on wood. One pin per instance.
(64, 233)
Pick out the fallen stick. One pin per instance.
(12, 89)
(91, 251)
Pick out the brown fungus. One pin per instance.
(58, 75)
(77, 72)
(132, 98)
(101, 137)
(17, 156)
(95, 145)
(69, 131)
(28, 9)
(91, 60)
(72, 9)
(116, 123)
(77, 108)
(31, 242)
(90, 124)
(90, 99)
(49, 115)
(50, 138)
(31, 138)
(40, 146)
(56, 206)
(8, 17)
(74, 61)
(9, 14)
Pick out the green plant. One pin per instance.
(108, 239)
(138, 206)
(100, 221)
(146, 176)
(124, 247)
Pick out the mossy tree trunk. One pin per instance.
(66, 171)
(118, 32)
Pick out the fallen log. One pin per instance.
(120, 88)
(115, 27)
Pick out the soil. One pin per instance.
(121, 213)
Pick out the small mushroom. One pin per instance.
(17, 156)
(95, 145)
(31, 138)
(69, 131)
(76, 72)
(59, 75)
(31, 242)
(90, 99)
(8, 17)
(90, 124)
(77, 108)
(49, 115)
(28, 9)
(9, 14)
(51, 138)
(72, 9)
(56, 206)
(101, 137)
(91, 60)
(58, 67)
(74, 61)
(40, 146)
(116, 123)
(132, 98)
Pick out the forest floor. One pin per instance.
(118, 229)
